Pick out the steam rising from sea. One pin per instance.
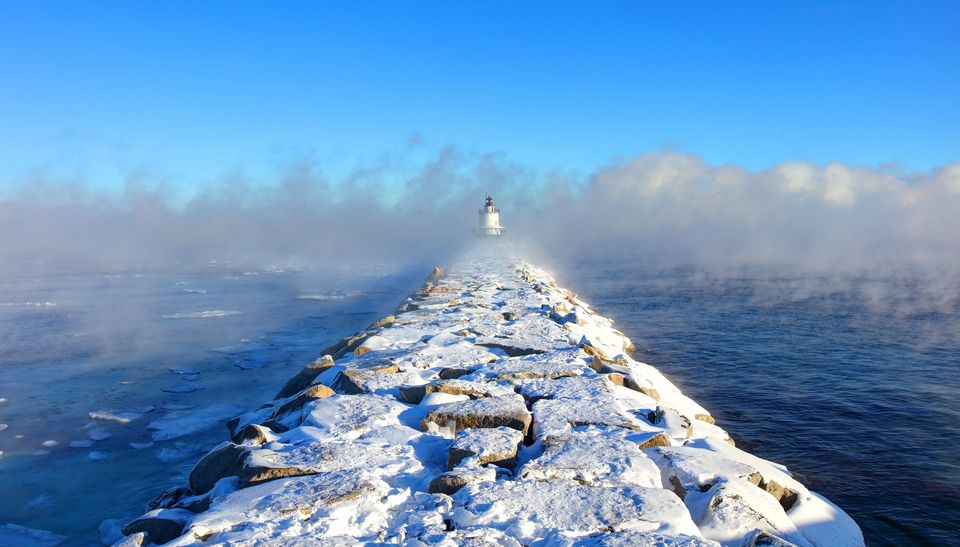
(840, 223)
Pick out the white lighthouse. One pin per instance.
(489, 220)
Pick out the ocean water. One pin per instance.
(853, 383)
(172, 354)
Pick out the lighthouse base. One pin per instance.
(488, 232)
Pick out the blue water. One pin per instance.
(79, 343)
(852, 383)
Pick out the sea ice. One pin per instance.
(180, 423)
(201, 314)
(12, 534)
(41, 501)
(97, 434)
(181, 388)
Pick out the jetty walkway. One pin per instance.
(493, 408)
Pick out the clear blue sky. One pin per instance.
(191, 89)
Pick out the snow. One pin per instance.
(344, 416)
(486, 444)
(555, 416)
(528, 510)
(455, 380)
(594, 456)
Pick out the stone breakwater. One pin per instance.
(493, 407)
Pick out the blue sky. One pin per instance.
(187, 91)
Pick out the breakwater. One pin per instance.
(493, 406)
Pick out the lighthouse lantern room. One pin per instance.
(489, 220)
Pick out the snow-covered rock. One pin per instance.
(595, 456)
(502, 410)
(530, 510)
(497, 446)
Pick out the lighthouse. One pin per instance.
(489, 220)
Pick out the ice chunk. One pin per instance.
(12, 534)
(181, 388)
(180, 423)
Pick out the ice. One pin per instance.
(179, 451)
(176, 406)
(123, 417)
(329, 296)
(110, 531)
(97, 434)
(181, 388)
(201, 314)
(180, 423)
(12, 534)
(39, 502)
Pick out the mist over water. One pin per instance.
(813, 309)
(669, 207)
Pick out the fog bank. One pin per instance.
(666, 207)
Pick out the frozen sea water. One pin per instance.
(119, 381)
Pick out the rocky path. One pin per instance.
(494, 407)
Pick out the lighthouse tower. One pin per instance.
(489, 220)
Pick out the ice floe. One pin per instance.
(179, 423)
(12, 534)
(206, 314)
